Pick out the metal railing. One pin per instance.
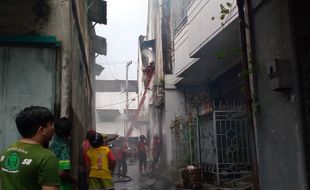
(217, 142)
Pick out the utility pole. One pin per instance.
(127, 105)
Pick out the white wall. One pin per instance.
(117, 101)
(181, 48)
(115, 127)
(201, 26)
(174, 106)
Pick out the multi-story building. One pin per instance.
(280, 53)
(47, 58)
(154, 62)
(208, 71)
(111, 117)
(237, 92)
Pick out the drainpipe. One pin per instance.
(248, 81)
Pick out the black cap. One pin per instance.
(96, 140)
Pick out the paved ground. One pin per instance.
(156, 182)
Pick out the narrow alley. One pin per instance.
(141, 182)
(154, 95)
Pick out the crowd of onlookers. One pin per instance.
(35, 163)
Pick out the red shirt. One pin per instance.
(141, 146)
(85, 147)
(118, 153)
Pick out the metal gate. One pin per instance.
(225, 149)
(217, 142)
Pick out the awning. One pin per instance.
(39, 40)
(98, 69)
(97, 11)
(99, 45)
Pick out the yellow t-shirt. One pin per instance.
(99, 163)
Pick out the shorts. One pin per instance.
(142, 157)
(100, 184)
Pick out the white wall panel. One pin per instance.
(201, 27)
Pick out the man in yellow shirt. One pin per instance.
(101, 164)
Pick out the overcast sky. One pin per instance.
(126, 21)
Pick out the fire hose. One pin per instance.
(124, 178)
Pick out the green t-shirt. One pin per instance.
(28, 167)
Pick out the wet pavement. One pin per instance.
(144, 182)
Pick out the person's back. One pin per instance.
(27, 165)
(117, 151)
(101, 164)
(83, 159)
(59, 146)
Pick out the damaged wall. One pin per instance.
(18, 17)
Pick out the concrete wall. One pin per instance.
(202, 28)
(69, 24)
(18, 66)
(300, 25)
(59, 25)
(174, 106)
(67, 21)
(116, 127)
(115, 101)
(280, 148)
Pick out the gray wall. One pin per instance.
(174, 106)
(27, 78)
(280, 149)
(74, 96)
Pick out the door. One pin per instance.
(27, 77)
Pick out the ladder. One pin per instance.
(149, 74)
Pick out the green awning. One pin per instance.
(30, 39)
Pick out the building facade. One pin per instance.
(280, 90)
(47, 58)
(111, 117)
(236, 93)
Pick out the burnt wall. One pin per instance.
(18, 17)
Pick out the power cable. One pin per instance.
(116, 63)
(113, 76)
(129, 101)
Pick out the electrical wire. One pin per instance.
(129, 101)
(116, 63)
(113, 76)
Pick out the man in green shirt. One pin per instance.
(27, 165)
